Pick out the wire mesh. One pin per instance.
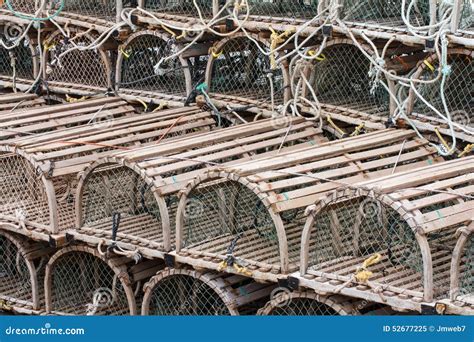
(181, 7)
(348, 230)
(142, 68)
(457, 91)
(85, 68)
(343, 80)
(23, 6)
(385, 13)
(18, 62)
(288, 9)
(467, 16)
(102, 9)
(23, 194)
(467, 275)
(15, 276)
(184, 295)
(113, 190)
(83, 284)
(243, 71)
(221, 213)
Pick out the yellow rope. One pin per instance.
(71, 99)
(468, 149)
(333, 125)
(358, 129)
(214, 53)
(429, 65)
(167, 29)
(238, 269)
(143, 104)
(443, 141)
(275, 40)
(363, 274)
(162, 105)
(320, 58)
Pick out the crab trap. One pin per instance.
(184, 292)
(44, 149)
(141, 186)
(462, 271)
(255, 211)
(82, 280)
(239, 73)
(391, 240)
(68, 68)
(299, 303)
(141, 69)
(432, 101)
(20, 64)
(22, 270)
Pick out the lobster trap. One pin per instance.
(141, 187)
(81, 281)
(300, 303)
(39, 171)
(383, 15)
(184, 292)
(18, 101)
(255, 212)
(240, 73)
(181, 10)
(454, 96)
(389, 240)
(462, 270)
(294, 12)
(67, 68)
(22, 270)
(141, 69)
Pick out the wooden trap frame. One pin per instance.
(88, 71)
(255, 211)
(185, 292)
(80, 280)
(19, 65)
(458, 94)
(154, 175)
(462, 273)
(140, 73)
(18, 101)
(238, 74)
(306, 303)
(39, 171)
(22, 270)
(390, 240)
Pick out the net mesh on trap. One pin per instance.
(118, 190)
(341, 80)
(242, 71)
(220, 213)
(288, 9)
(23, 6)
(83, 284)
(184, 295)
(467, 16)
(18, 62)
(458, 92)
(15, 276)
(88, 68)
(141, 69)
(467, 269)
(387, 13)
(102, 9)
(181, 7)
(348, 230)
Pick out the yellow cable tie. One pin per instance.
(124, 53)
(242, 270)
(167, 29)
(468, 149)
(429, 65)
(443, 141)
(358, 129)
(214, 53)
(319, 58)
(143, 104)
(333, 125)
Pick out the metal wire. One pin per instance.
(78, 278)
(24, 6)
(180, 7)
(102, 9)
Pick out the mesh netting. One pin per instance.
(22, 195)
(24, 6)
(110, 191)
(467, 16)
(180, 7)
(88, 67)
(349, 230)
(103, 9)
(467, 274)
(82, 284)
(289, 305)
(183, 295)
(305, 9)
(140, 68)
(15, 277)
(242, 71)
(385, 12)
(342, 80)
(458, 91)
(18, 62)
(219, 213)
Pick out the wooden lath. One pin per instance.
(165, 169)
(430, 204)
(19, 101)
(51, 145)
(218, 294)
(285, 185)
